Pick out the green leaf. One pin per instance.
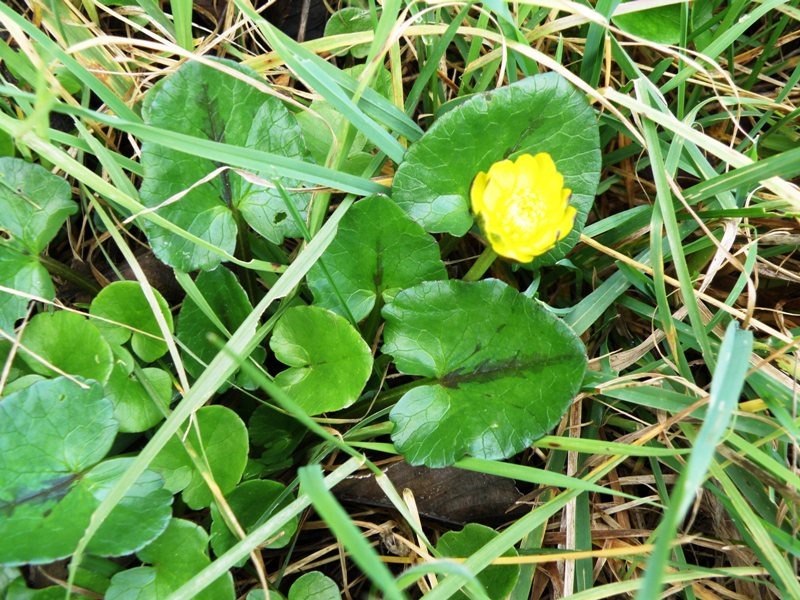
(49, 432)
(124, 302)
(19, 591)
(661, 24)
(277, 433)
(502, 377)
(497, 581)
(393, 252)
(350, 20)
(203, 102)
(318, 136)
(329, 362)
(253, 502)
(51, 435)
(134, 409)
(259, 595)
(229, 303)
(34, 204)
(314, 586)
(542, 113)
(224, 445)
(176, 556)
(23, 272)
(57, 337)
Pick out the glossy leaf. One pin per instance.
(202, 101)
(134, 409)
(393, 253)
(224, 444)
(52, 435)
(252, 502)
(350, 20)
(55, 337)
(173, 558)
(323, 121)
(277, 433)
(329, 362)
(505, 369)
(314, 586)
(661, 24)
(124, 302)
(497, 581)
(228, 300)
(34, 204)
(542, 113)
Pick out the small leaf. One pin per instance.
(277, 433)
(314, 586)
(319, 136)
(329, 362)
(134, 409)
(228, 300)
(252, 502)
(224, 445)
(201, 101)
(393, 253)
(69, 342)
(497, 581)
(350, 20)
(34, 204)
(176, 556)
(51, 435)
(661, 24)
(505, 370)
(19, 591)
(542, 113)
(124, 302)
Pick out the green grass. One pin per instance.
(676, 465)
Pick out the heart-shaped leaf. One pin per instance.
(497, 581)
(314, 586)
(278, 434)
(323, 121)
(34, 204)
(329, 362)
(175, 557)
(252, 502)
(222, 442)
(124, 302)
(134, 408)
(201, 101)
(505, 369)
(393, 253)
(51, 435)
(351, 19)
(661, 24)
(542, 113)
(56, 337)
(229, 303)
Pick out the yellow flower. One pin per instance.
(523, 206)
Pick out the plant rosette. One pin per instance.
(541, 116)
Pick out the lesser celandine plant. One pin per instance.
(237, 270)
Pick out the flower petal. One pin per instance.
(477, 192)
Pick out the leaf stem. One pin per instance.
(480, 266)
(55, 267)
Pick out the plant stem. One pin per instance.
(55, 267)
(480, 266)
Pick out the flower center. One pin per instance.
(525, 210)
